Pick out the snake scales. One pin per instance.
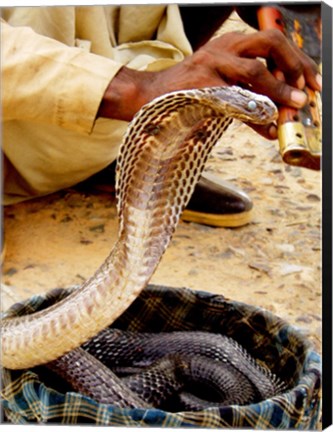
(161, 158)
(174, 370)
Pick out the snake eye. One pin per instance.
(252, 105)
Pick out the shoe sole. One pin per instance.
(218, 220)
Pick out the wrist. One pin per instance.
(125, 94)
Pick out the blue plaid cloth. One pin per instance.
(26, 399)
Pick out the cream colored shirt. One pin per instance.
(56, 63)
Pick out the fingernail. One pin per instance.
(298, 97)
(301, 82)
(273, 132)
(279, 75)
(319, 80)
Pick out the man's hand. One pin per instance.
(233, 58)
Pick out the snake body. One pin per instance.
(161, 158)
(175, 361)
(202, 360)
(121, 349)
(173, 370)
(90, 377)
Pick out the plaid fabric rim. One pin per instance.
(25, 399)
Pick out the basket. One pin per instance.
(271, 340)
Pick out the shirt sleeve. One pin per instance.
(46, 81)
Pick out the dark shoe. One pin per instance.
(214, 202)
(218, 203)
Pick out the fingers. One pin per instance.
(268, 131)
(273, 45)
(236, 59)
(254, 75)
(311, 73)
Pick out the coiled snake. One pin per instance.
(161, 158)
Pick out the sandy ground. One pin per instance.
(273, 262)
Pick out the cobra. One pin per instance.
(161, 158)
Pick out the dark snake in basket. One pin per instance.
(161, 158)
(175, 371)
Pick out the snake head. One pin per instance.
(243, 104)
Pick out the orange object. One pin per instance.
(299, 131)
